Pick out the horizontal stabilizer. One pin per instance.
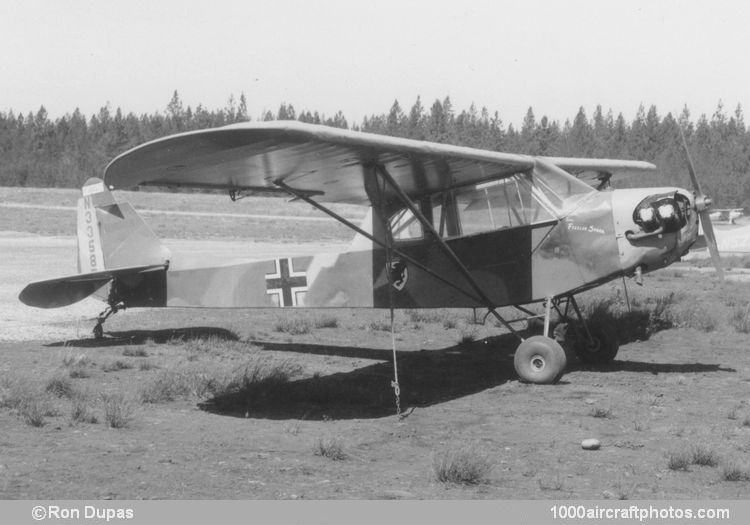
(64, 291)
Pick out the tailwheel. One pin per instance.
(598, 347)
(540, 360)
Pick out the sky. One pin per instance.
(360, 56)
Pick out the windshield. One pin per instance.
(561, 189)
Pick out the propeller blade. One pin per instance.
(691, 168)
(713, 249)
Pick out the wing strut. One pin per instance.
(371, 238)
(444, 246)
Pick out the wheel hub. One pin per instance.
(537, 363)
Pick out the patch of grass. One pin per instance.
(79, 372)
(380, 326)
(34, 411)
(331, 448)
(450, 323)
(694, 315)
(78, 365)
(326, 321)
(118, 410)
(249, 379)
(135, 352)
(466, 466)
(646, 316)
(746, 422)
(80, 409)
(167, 386)
(553, 484)
(679, 460)
(426, 316)
(293, 326)
(734, 472)
(733, 413)
(147, 365)
(740, 319)
(702, 455)
(465, 338)
(27, 397)
(601, 412)
(60, 386)
(76, 360)
(116, 366)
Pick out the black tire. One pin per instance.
(540, 360)
(600, 349)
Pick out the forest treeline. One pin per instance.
(38, 151)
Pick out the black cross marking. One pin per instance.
(285, 282)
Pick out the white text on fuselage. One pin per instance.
(89, 222)
(587, 229)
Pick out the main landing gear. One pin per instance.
(114, 305)
(541, 359)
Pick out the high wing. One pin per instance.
(317, 160)
(598, 172)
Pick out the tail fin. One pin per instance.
(111, 234)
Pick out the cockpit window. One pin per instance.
(504, 203)
(561, 188)
(405, 226)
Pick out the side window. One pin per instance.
(405, 226)
(504, 203)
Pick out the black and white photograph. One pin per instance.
(348, 251)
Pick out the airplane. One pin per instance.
(446, 227)
(728, 215)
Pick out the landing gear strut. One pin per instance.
(593, 344)
(114, 305)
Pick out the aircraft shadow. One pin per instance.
(426, 378)
(139, 337)
(652, 368)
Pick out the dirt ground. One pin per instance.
(680, 389)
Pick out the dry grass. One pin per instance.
(466, 466)
(326, 321)
(135, 352)
(679, 460)
(27, 397)
(249, 379)
(118, 410)
(60, 385)
(702, 455)
(293, 326)
(601, 412)
(81, 410)
(740, 320)
(116, 366)
(331, 448)
(167, 386)
(735, 472)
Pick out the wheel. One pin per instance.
(600, 349)
(540, 360)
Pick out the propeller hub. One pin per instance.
(702, 203)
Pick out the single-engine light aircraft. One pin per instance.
(729, 215)
(447, 227)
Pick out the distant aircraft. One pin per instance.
(729, 215)
(447, 227)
